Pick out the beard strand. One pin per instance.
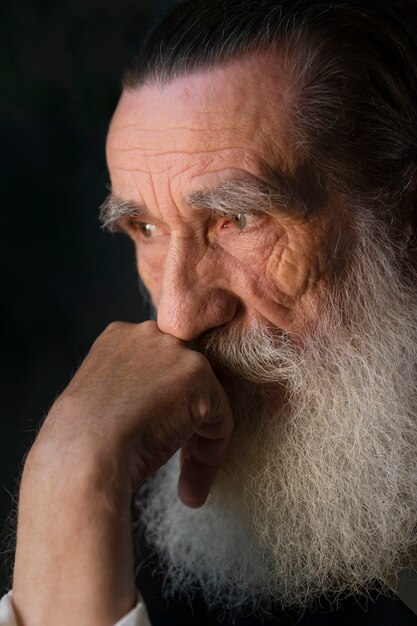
(317, 495)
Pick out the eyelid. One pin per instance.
(132, 225)
(127, 219)
(257, 216)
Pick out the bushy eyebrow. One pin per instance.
(240, 196)
(228, 198)
(114, 209)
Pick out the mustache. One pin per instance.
(258, 353)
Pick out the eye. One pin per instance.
(241, 220)
(144, 230)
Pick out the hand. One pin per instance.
(138, 397)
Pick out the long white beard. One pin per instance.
(318, 493)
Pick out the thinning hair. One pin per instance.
(353, 70)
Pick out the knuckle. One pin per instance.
(148, 325)
(197, 361)
(115, 327)
(112, 334)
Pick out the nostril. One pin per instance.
(190, 313)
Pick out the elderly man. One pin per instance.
(263, 160)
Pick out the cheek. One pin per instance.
(282, 276)
(247, 251)
(302, 260)
(251, 267)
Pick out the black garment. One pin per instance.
(382, 610)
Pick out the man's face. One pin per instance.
(221, 236)
(318, 490)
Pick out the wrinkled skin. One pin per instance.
(141, 393)
(204, 271)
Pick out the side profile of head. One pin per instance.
(263, 160)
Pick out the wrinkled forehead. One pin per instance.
(245, 102)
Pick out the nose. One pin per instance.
(194, 295)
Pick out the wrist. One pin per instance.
(53, 468)
(70, 443)
(74, 541)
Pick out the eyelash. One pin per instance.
(135, 227)
(144, 229)
(233, 218)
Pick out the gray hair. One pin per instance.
(353, 69)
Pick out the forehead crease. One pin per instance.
(168, 141)
(174, 152)
(149, 113)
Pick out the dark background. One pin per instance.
(63, 279)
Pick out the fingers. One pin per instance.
(202, 454)
(144, 375)
(195, 482)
